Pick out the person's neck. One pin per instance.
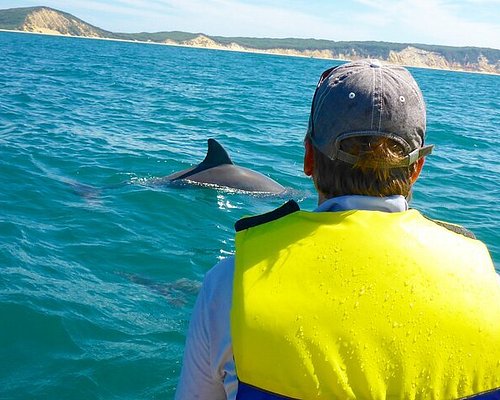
(321, 198)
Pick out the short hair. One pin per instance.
(370, 176)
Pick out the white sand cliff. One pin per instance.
(48, 21)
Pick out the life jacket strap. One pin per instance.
(489, 395)
(249, 222)
(249, 392)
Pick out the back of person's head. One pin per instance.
(367, 129)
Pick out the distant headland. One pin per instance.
(473, 59)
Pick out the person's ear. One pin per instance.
(414, 176)
(308, 158)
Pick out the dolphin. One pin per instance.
(218, 169)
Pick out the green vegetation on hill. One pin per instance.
(13, 18)
(363, 49)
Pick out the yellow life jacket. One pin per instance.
(364, 305)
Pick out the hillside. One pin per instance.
(50, 21)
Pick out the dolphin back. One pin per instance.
(236, 177)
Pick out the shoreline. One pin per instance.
(241, 49)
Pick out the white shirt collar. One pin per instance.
(395, 203)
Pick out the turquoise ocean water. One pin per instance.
(100, 265)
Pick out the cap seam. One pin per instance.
(380, 102)
(373, 99)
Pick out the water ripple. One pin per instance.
(100, 264)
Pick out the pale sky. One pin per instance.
(444, 22)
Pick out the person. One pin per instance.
(363, 298)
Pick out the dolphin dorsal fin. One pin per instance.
(216, 155)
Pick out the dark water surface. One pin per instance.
(98, 278)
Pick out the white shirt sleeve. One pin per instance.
(208, 367)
